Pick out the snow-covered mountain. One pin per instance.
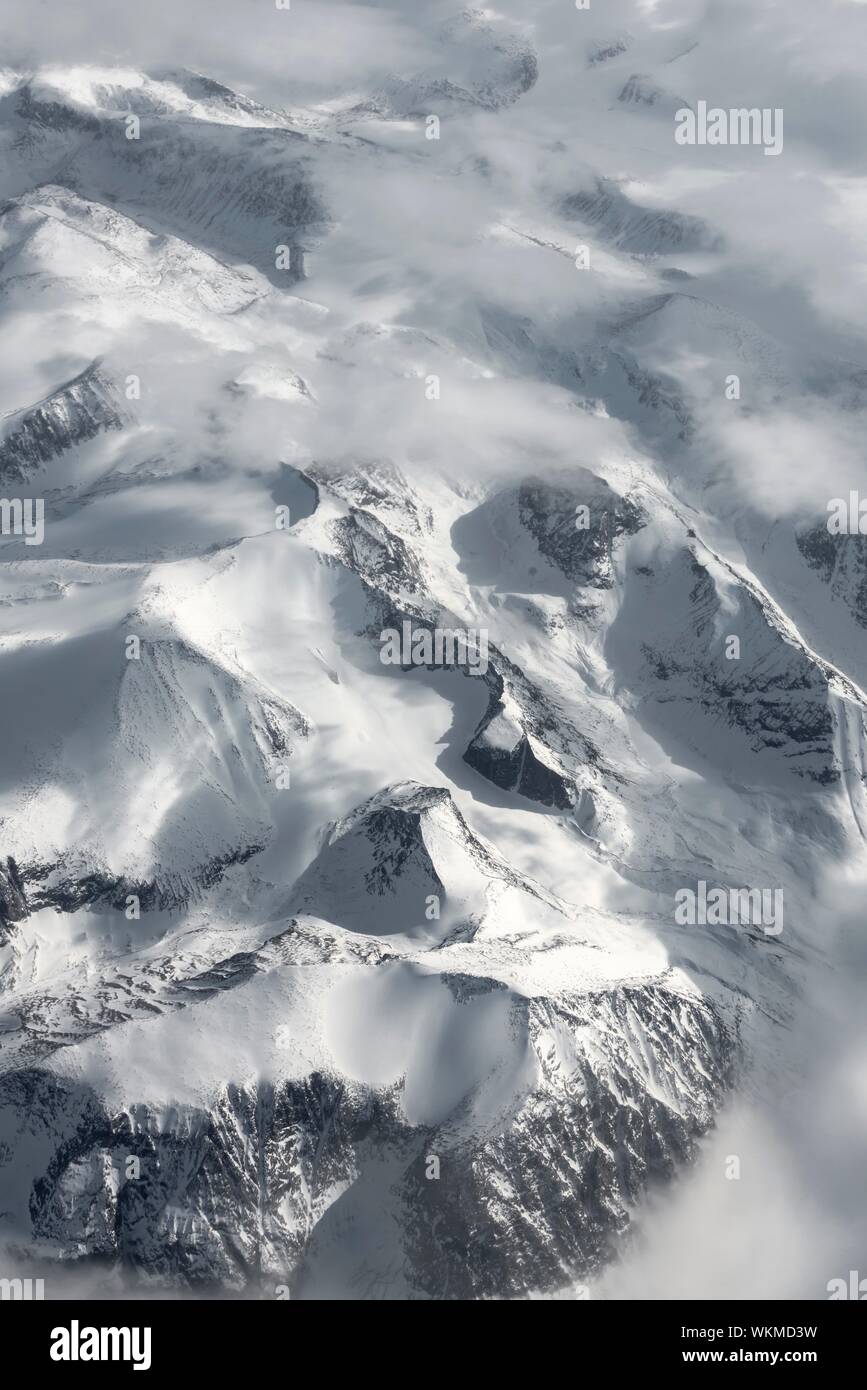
(364, 977)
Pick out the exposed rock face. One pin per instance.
(506, 751)
(237, 189)
(172, 698)
(529, 1073)
(842, 563)
(379, 556)
(496, 69)
(638, 89)
(73, 414)
(615, 217)
(51, 885)
(742, 669)
(358, 973)
(568, 1131)
(13, 901)
(252, 1191)
(582, 552)
(603, 53)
